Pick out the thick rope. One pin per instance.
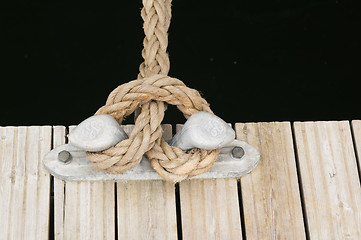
(147, 96)
(156, 15)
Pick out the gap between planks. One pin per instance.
(302, 198)
(356, 136)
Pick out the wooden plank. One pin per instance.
(270, 194)
(24, 183)
(210, 208)
(6, 177)
(59, 186)
(88, 210)
(330, 180)
(12, 182)
(38, 144)
(356, 129)
(146, 209)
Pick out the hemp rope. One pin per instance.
(147, 96)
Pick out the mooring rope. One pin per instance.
(148, 96)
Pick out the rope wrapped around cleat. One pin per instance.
(148, 97)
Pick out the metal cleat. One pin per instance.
(202, 130)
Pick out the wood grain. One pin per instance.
(87, 208)
(24, 183)
(210, 208)
(270, 193)
(146, 209)
(330, 180)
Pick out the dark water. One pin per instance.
(252, 60)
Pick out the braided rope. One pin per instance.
(156, 15)
(147, 96)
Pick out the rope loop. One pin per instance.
(151, 95)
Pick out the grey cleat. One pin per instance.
(201, 130)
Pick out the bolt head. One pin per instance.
(237, 152)
(64, 156)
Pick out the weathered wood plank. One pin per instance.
(146, 209)
(6, 178)
(270, 193)
(38, 183)
(330, 180)
(17, 174)
(210, 208)
(87, 208)
(24, 183)
(356, 129)
(59, 187)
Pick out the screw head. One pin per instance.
(64, 156)
(237, 152)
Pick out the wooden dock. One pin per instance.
(306, 186)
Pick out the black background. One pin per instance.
(254, 60)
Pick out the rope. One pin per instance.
(156, 15)
(147, 97)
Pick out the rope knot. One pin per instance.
(147, 97)
(150, 95)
